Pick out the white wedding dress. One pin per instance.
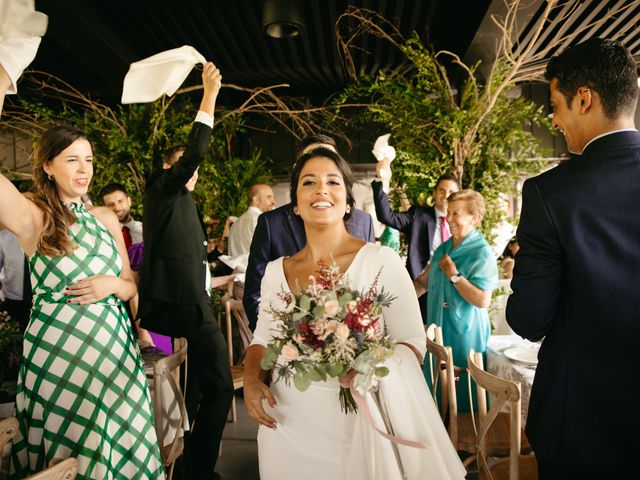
(314, 439)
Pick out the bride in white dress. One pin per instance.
(306, 434)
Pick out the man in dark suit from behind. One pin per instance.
(280, 233)
(575, 281)
(174, 297)
(425, 227)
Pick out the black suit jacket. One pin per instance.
(280, 233)
(576, 284)
(418, 224)
(175, 246)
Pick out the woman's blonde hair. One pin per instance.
(54, 241)
(475, 202)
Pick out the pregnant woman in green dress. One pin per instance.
(82, 390)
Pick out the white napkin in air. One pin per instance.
(163, 73)
(382, 149)
(20, 30)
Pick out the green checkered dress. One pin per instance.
(82, 390)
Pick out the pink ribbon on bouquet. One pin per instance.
(363, 408)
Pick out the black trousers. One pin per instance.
(549, 469)
(19, 310)
(209, 385)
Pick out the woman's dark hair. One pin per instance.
(601, 65)
(315, 139)
(57, 218)
(341, 163)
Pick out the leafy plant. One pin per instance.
(474, 130)
(10, 341)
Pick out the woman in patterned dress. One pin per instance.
(81, 391)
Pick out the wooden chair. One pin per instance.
(225, 284)
(516, 466)
(8, 430)
(461, 426)
(234, 310)
(61, 470)
(443, 380)
(166, 371)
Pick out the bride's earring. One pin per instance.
(296, 211)
(348, 210)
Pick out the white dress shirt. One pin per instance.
(241, 233)
(12, 262)
(437, 236)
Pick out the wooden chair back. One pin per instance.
(443, 375)
(166, 371)
(234, 310)
(503, 392)
(62, 470)
(8, 430)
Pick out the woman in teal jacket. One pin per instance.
(462, 274)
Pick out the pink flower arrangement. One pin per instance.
(327, 330)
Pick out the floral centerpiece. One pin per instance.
(326, 330)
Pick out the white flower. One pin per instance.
(331, 308)
(290, 352)
(342, 332)
(288, 307)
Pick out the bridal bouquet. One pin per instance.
(328, 329)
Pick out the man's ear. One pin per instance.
(586, 98)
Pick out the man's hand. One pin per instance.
(211, 81)
(211, 78)
(383, 169)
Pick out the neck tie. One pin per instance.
(446, 234)
(127, 237)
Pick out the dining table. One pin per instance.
(513, 358)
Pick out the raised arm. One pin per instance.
(399, 220)
(199, 137)
(20, 215)
(5, 83)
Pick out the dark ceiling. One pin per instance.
(91, 43)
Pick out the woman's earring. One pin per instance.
(296, 211)
(348, 211)
(50, 177)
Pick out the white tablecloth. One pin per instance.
(501, 366)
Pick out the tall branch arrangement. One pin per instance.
(129, 139)
(443, 117)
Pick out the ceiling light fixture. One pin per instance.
(282, 18)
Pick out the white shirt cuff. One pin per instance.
(204, 117)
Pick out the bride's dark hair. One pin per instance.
(341, 163)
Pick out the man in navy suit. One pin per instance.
(424, 227)
(280, 233)
(575, 281)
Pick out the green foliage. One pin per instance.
(10, 341)
(129, 142)
(222, 185)
(438, 128)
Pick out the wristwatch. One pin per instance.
(455, 277)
